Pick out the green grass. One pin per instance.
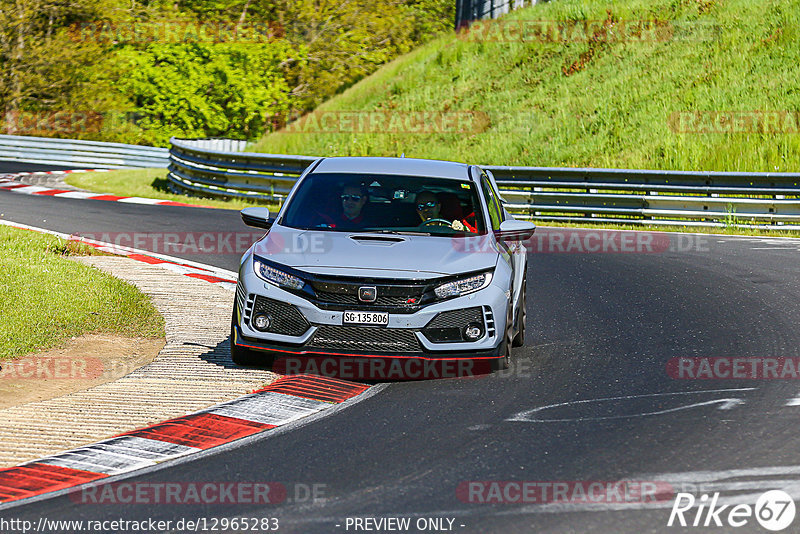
(148, 183)
(613, 111)
(46, 299)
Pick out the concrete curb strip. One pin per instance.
(286, 400)
(191, 372)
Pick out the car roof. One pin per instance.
(399, 166)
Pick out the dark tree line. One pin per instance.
(140, 72)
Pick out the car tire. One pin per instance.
(245, 357)
(522, 315)
(504, 362)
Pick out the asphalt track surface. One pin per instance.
(601, 325)
(15, 166)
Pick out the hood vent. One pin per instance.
(376, 240)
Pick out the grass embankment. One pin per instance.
(46, 299)
(147, 183)
(605, 103)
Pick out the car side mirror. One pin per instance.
(513, 230)
(257, 217)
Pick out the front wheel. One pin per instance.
(519, 339)
(499, 364)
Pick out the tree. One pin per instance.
(204, 90)
(40, 66)
(74, 56)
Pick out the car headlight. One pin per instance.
(276, 276)
(464, 286)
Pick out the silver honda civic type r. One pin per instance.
(384, 258)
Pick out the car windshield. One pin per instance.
(385, 204)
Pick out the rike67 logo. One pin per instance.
(774, 510)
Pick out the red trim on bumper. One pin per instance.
(417, 356)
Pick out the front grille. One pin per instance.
(489, 317)
(286, 319)
(448, 327)
(246, 306)
(367, 339)
(241, 296)
(398, 296)
(348, 299)
(456, 318)
(337, 298)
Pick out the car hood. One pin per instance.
(382, 255)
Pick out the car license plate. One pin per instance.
(372, 318)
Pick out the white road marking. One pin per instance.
(140, 200)
(711, 476)
(726, 404)
(76, 194)
(695, 482)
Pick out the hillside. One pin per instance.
(666, 84)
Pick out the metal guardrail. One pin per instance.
(686, 198)
(542, 193)
(233, 174)
(223, 145)
(79, 153)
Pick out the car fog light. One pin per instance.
(262, 321)
(473, 331)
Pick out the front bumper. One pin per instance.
(301, 328)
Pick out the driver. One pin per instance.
(429, 207)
